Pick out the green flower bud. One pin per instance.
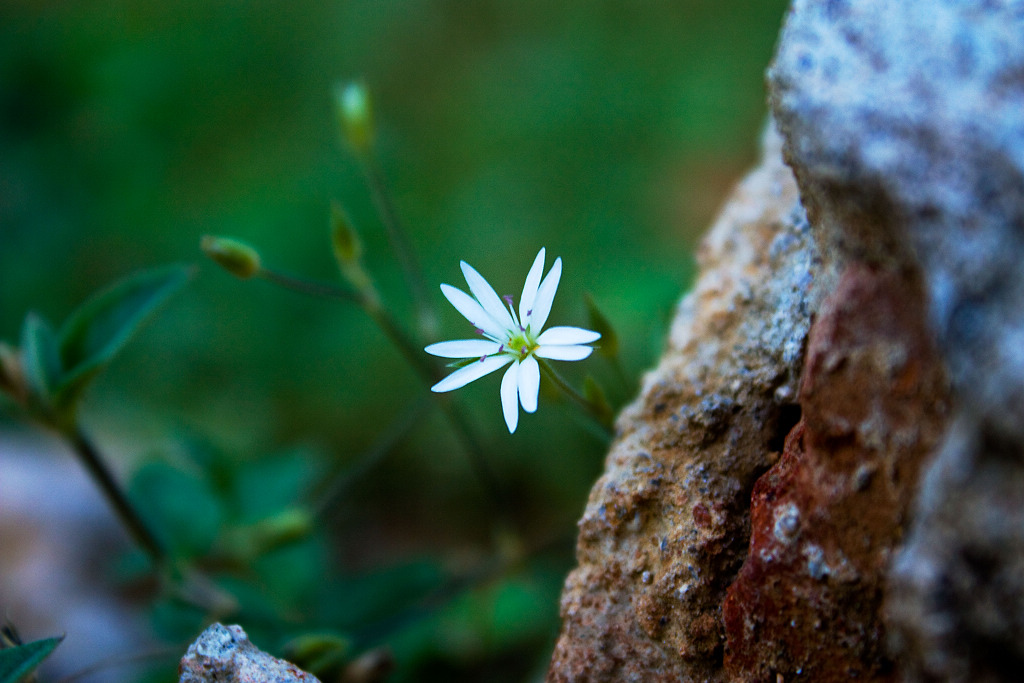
(348, 248)
(236, 257)
(355, 116)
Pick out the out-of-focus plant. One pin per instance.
(246, 538)
(47, 376)
(400, 600)
(19, 660)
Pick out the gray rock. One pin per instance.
(224, 654)
(904, 125)
(957, 589)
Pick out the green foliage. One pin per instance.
(94, 333)
(181, 509)
(57, 366)
(19, 661)
(40, 361)
(593, 392)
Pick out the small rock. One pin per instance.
(224, 654)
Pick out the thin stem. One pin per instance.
(456, 419)
(318, 289)
(398, 237)
(369, 301)
(593, 410)
(477, 459)
(126, 512)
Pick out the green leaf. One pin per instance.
(94, 333)
(318, 652)
(181, 509)
(269, 485)
(40, 359)
(18, 662)
(379, 601)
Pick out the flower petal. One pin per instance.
(509, 404)
(464, 348)
(472, 311)
(464, 376)
(561, 336)
(529, 296)
(563, 352)
(487, 297)
(545, 297)
(529, 383)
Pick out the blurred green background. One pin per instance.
(608, 132)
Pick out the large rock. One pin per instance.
(887, 542)
(904, 123)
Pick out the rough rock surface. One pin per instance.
(666, 526)
(887, 543)
(224, 654)
(904, 124)
(827, 516)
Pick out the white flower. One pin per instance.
(509, 338)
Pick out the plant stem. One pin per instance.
(369, 301)
(576, 396)
(398, 237)
(126, 512)
(412, 351)
(317, 289)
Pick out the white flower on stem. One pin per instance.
(510, 338)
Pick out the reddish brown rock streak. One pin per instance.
(666, 526)
(827, 516)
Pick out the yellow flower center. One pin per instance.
(522, 345)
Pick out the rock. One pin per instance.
(887, 542)
(827, 516)
(956, 595)
(904, 124)
(224, 654)
(666, 526)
